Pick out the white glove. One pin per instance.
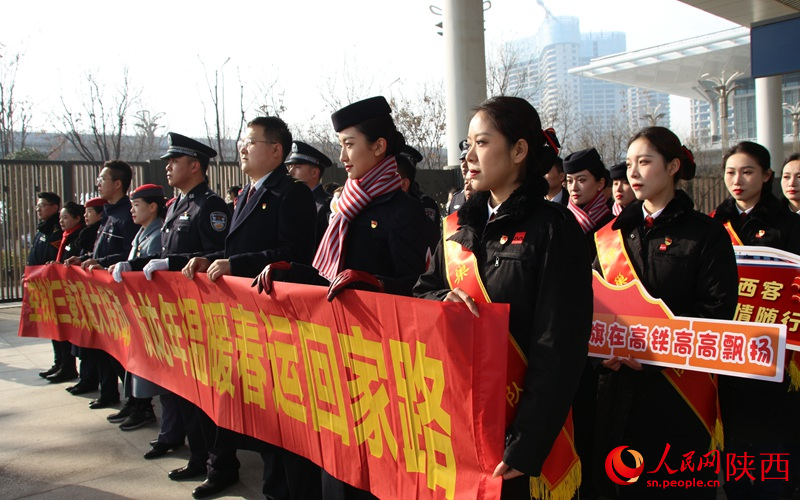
(155, 265)
(121, 267)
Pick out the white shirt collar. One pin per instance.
(557, 198)
(492, 211)
(655, 215)
(261, 181)
(744, 211)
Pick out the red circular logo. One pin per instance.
(618, 471)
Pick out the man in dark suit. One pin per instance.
(307, 164)
(556, 192)
(274, 220)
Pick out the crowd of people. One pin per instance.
(379, 232)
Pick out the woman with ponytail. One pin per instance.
(685, 259)
(753, 410)
(529, 253)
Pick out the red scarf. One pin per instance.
(591, 214)
(616, 209)
(356, 195)
(64, 237)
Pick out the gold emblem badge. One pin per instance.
(668, 241)
(503, 239)
(373, 224)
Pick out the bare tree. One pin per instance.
(145, 144)
(510, 72)
(421, 120)
(14, 114)
(563, 119)
(609, 137)
(218, 132)
(96, 128)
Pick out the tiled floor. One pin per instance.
(52, 446)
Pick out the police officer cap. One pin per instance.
(148, 191)
(463, 147)
(412, 154)
(619, 171)
(304, 154)
(180, 145)
(360, 111)
(585, 159)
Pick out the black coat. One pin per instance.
(87, 237)
(46, 242)
(777, 227)
(195, 225)
(754, 411)
(547, 282)
(696, 276)
(387, 239)
(73, 248)
(322, 199)
(278, 223)
(116, 233)
(456, 202)
(433, 227)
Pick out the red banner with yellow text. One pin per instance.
(769, 289)
(412, 390)
(628, 322)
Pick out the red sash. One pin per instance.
(561, 471)
(698, 389)
(793, 364)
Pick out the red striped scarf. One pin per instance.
(592, 213)
(616, 209)
(356, 195)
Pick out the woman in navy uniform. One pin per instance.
(754, 411)
(376, 240)
(586, 181)
(531, 254)
(686, 259)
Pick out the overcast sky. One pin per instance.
(302, 45)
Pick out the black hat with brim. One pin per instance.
(411, 153)
(180, 145)
(619, 171)
(585, 159)
(360, 111)
(305, 154)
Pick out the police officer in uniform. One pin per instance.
(196, 224)
(407, 162)
(459, 198)
(307, 164)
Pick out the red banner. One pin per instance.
(769, 289)
(629, 322)
(382, 381)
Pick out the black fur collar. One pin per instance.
(521, 202)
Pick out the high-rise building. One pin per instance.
(541, 75)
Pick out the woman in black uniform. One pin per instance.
(686, 259)
(376, 240)
(531, 254)
(790, 182)
(753, 410)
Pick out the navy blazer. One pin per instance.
(278, 223)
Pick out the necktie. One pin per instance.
(250, 192)
(649, 222)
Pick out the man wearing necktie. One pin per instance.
(274, 221)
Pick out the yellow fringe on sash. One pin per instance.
(717, 437)
(794, 377)
(565, 490)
